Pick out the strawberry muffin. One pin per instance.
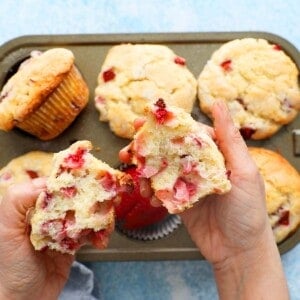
(77, 205)
(259, 83)
(177, 157)
(24, 168)
(44, 96)
(282, 185)
(133, 76)
(137, 217)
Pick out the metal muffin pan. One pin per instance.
(90, 52)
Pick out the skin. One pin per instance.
(232, 232)
(24, 272)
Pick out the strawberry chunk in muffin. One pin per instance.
(135, 209)
(178, 157)
(77, 206)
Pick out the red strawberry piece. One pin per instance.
(148, 171)
(128, 200)
(183, 189)
(187, 163)
(247, 132)
(69, 191)
(226, 65)
(134, 210)
(198, 141)
(284, 218)
(277, 47)
(76, 160)
(70, 244)
(46, 199)
(108, 182)
(108, 75)
(179, 60)
(162, 115)
(32, 174)
(69, 218)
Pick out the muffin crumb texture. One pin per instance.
(77, 206)
(178, 157)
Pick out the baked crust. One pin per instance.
(29, 87)
(257, 80)
(282, 185)
(136, 75)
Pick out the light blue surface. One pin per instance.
(157, 280)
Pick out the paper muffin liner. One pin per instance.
(60, 108)
(154, 231)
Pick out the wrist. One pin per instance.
(253, 274)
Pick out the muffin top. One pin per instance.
(23, 168)
(282, 185)
(136, 75)
(259, 83)
(29, 87)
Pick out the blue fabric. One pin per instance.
(166, 279)
(81, 284)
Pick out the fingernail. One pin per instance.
(29, 215)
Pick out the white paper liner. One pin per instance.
(152, 232)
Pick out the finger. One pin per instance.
(21, 197)
(229, 138)
(210, 130)
(125, 154)
(139, 122)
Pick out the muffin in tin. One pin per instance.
(136, 75)
(24, 168)
(282, 185)
(257, 80)
(45, 95)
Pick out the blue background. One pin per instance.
(161, 279)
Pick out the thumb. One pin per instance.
(231, 143)
(20, 197)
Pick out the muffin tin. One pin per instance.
(90, 51)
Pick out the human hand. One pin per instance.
(232, 231)
(24, 272)
(225, 225)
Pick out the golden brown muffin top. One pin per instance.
(29, 87)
